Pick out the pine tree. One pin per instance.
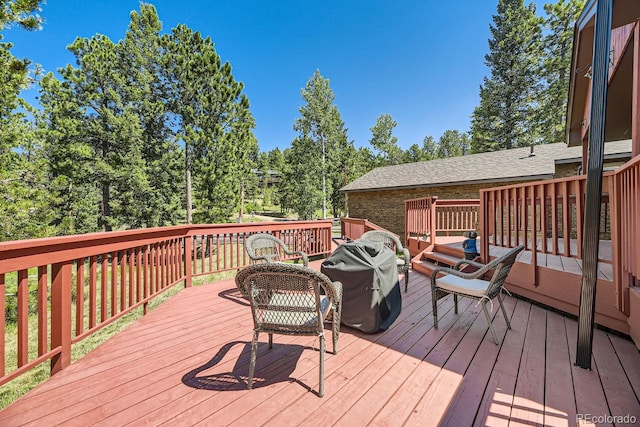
(214, 122)
(559, 21)
(160, 202)
(24, 197)
(452, 144)
(383, 141)
(106, 123)
(321, 136)
(70, 160)
(507, 98)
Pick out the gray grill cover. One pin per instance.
(371, 299)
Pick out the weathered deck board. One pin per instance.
(528, 401)
(497, 399)
(559, 404)
(186, 363)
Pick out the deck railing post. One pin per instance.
(188, 267)
(484, 227)
(433, 226)
(61, 315)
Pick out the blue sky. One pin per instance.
(421, 61)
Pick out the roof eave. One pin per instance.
(449, 184)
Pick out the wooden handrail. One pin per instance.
(626, 231)
(420, 219)
(427, 217)
(552, 224)
(91, 280)
(354, 228)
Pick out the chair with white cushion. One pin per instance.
(445, 281)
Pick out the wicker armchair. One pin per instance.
(472, 285)
(393, 242)
(293, 300)
(265, 247)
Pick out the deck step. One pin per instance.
(438, 256)
(454, 251)
(441, 258)
(424, 266)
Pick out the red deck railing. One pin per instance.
(76, 285)
(546, 215)
(354, 228)
(420, 219)
(428, 217)
(626, 230)
(457, 216)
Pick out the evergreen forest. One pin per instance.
(154, 130)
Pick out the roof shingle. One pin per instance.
(507, 165)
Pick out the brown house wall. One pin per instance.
(564, 170)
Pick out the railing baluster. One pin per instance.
(554, 219)
(3, 323)
(139, 270)
(79, 296)
(92, 291)
(226, 249)
(132, 284)
(566, 212)
(43, 310)
(122, 261)
(209, 251)
(104, 263)
(114, 283)
(23, 317)
(534, 235)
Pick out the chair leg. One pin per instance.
(252, 363)
(486, 314)
(406, 280)
(455, 303)
(434, 302)
(322, 349)
(504, 312)
(336, 327)
(270, 341)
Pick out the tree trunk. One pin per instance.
(106, 208)
(187, 157)
(106, 199)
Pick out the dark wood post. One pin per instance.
(599, 83)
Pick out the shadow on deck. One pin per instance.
(187, 361)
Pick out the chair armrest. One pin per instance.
(468, 262)
(337, 291)
(407, 256)
(305, 258)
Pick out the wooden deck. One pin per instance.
(186, 362)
